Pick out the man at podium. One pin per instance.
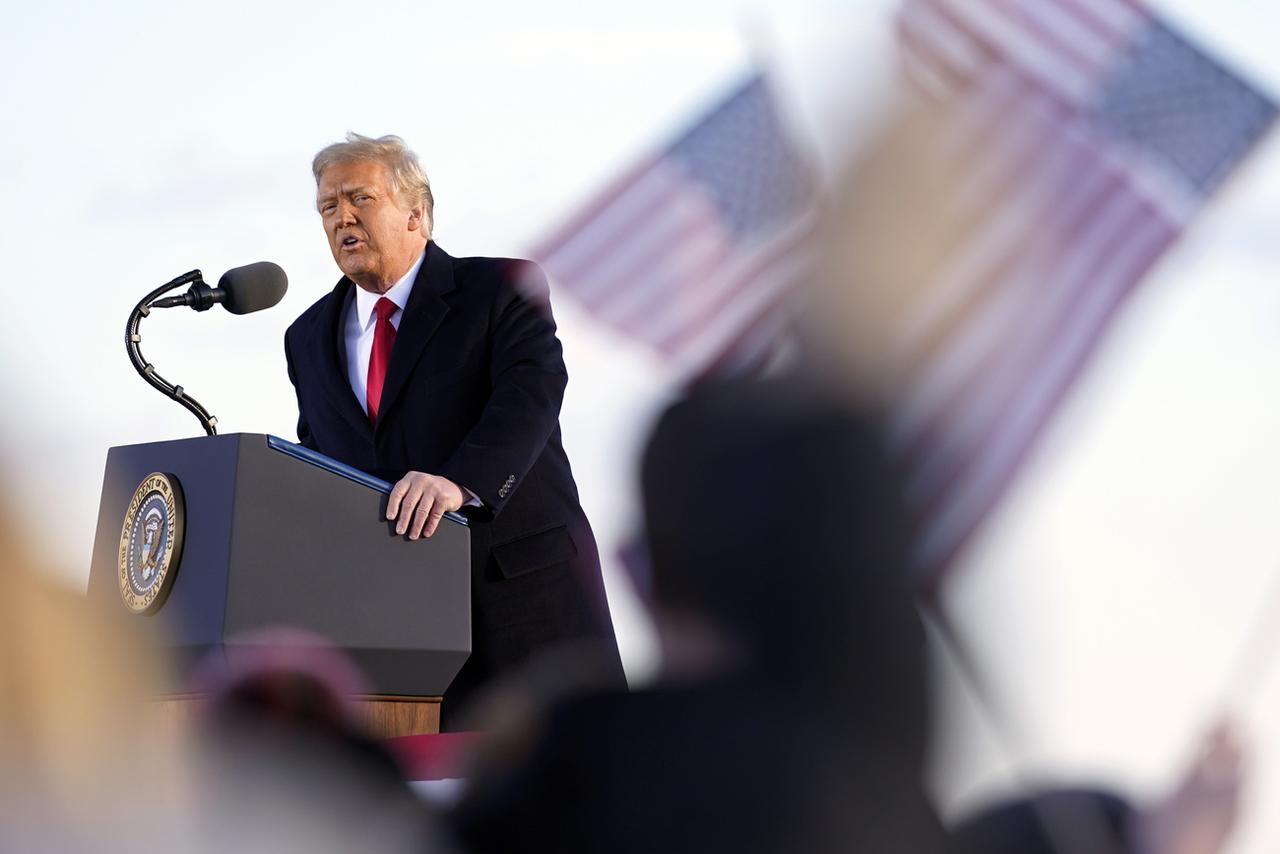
(444, 375)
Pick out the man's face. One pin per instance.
(374, 238)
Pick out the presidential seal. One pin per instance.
(151, 543)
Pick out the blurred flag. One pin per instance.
(1081, 137)
(694, 250)
(1085, 134)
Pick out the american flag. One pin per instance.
(693, 252)
(1086, 135)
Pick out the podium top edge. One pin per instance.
(341, 469)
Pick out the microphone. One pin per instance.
(241, 290)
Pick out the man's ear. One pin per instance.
(417, 216)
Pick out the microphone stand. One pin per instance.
(133, 340)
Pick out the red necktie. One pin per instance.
(384, 336)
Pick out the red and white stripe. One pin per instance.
(1061, 46)
(652, 257)
(1061, 227)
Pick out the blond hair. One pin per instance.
(407, 178)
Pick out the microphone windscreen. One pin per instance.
(253, 287)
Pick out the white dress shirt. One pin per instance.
(359, 326)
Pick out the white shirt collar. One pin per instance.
(398, 294)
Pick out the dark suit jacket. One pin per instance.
(472, 393)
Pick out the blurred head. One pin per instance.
(281, 674)
(376, 206)
(289, 765)
(774, 515)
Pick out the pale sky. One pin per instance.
(1106, 601)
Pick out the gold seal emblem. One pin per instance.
(151, 543)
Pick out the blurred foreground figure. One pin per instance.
(88, 763)
(916, 306)
(288, 766)
(1197, 817)
(791, 712)
(84, 764)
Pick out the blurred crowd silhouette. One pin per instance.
(791, 714)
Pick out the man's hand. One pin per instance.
(419, 500)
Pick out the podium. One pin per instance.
(218, 536)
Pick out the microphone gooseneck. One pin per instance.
(199, 296)
(240, 291)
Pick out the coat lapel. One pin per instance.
(329, 351)
(422, 316)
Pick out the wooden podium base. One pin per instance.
(383, 716)
(390, 717)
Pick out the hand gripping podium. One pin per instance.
(222, 535)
